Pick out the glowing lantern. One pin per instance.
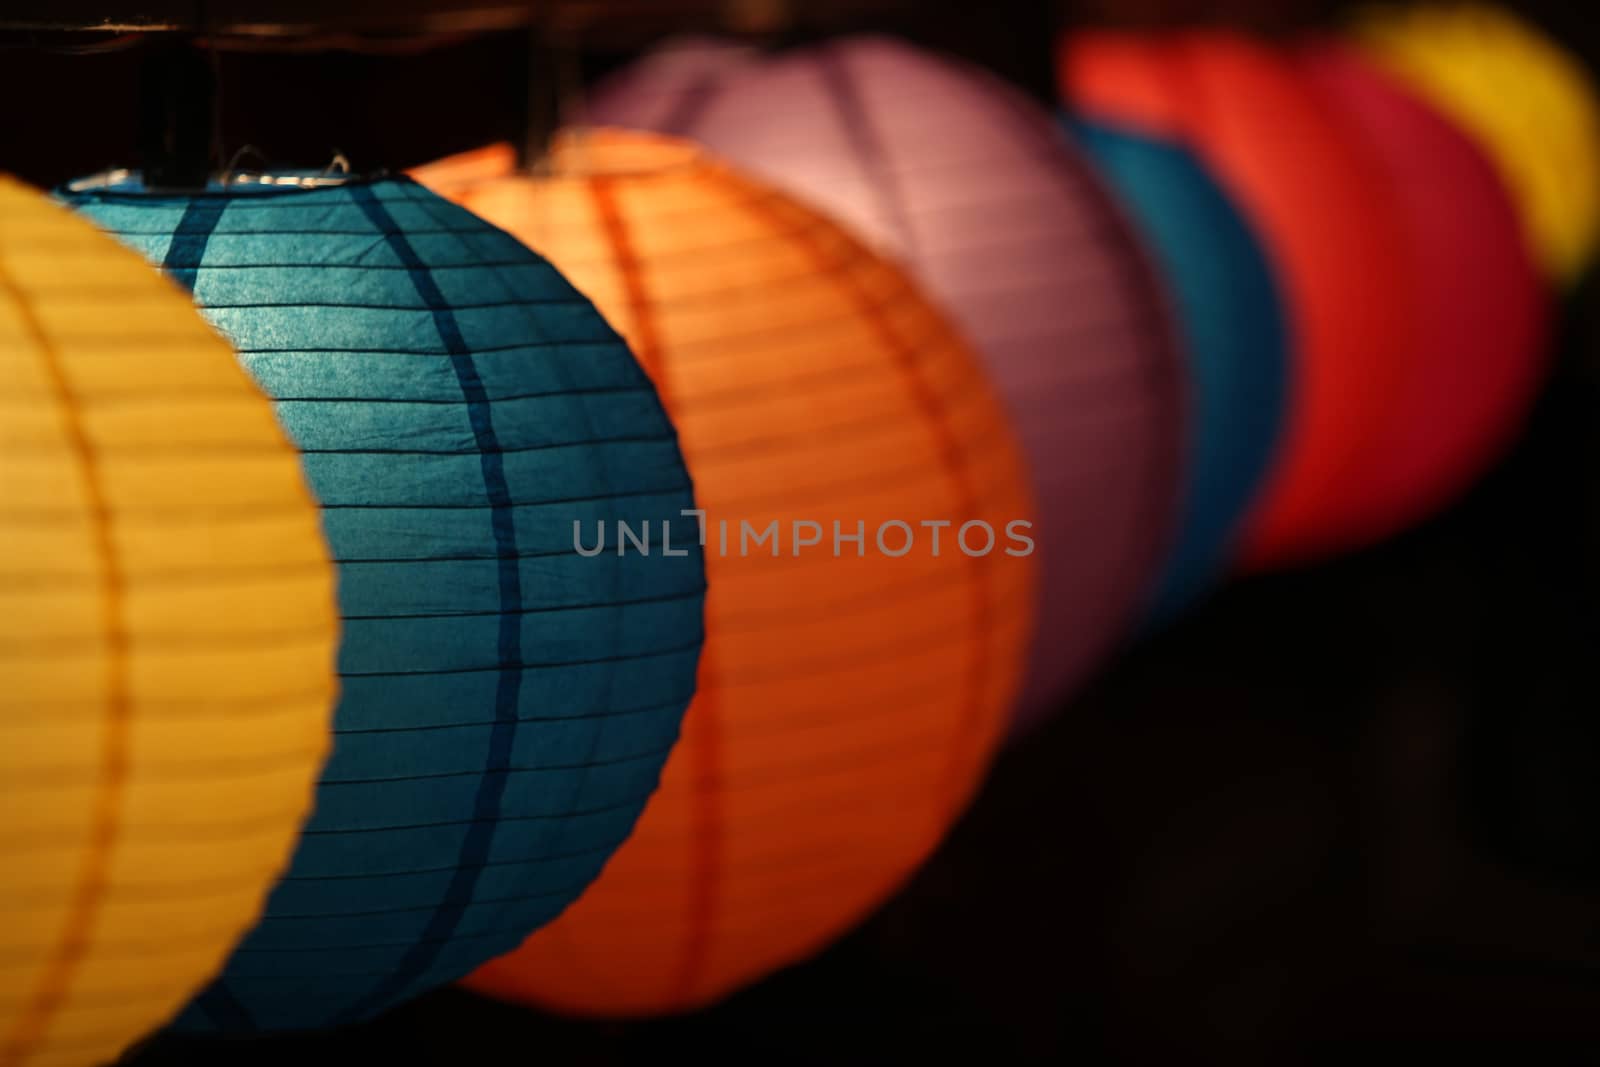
(1320, 205)
(507, 700)
(1481, 309)
(1235, 340)
(974, 189)
(166, 643)
(1530, 104)
(852, 691)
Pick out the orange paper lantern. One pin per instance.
(851, 694)
(1323, 207)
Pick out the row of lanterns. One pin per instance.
(646, 642)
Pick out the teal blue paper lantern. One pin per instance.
(1231, 320)
(507, 701)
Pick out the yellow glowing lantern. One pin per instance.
(1523, 97)
(167, 636)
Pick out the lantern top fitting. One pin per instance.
(122, 181)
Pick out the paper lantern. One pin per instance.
(973, 188)
(1481, 312)
(852, 691)
(1529, 103)
(1235, 343)
(166, 643)
(1319, 202)
(507, 701)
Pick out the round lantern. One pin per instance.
(974, 188)
(869, 561)
(1527, 101)
(166, 643)
(1320, 204)
(1231, 321)
(1481, 307)
(471, 426)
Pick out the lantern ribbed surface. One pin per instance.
(1529, 103)
(1482, 312)
(507, 702)
(975, 190)
(1320, 205)
(848, 702)
(1235, 343)
(167, 635)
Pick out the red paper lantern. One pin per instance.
(1323, 206)
(1481, 310)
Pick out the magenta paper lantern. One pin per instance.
(976, 189)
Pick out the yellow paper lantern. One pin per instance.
(851, 694)
(1528, 102)
(167, 637)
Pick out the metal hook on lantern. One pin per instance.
(337, 172)
(340, 162)
(232, 167)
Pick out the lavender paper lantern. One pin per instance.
(977, 191)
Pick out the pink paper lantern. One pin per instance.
(977, 191)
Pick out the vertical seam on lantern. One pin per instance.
(52, 988)
(949, 447)
(847, 101)
(647, 346)
(182, 260)
(476, 844)
(190, 238)
(702, 740)
(691, 106)
(428, 203)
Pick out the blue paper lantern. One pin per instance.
(1231, 319)
(507, 702)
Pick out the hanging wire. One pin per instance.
(358, 44)
(218, 146)
(572, 102)
(33, 41)
(555, 101)
(534, 133)
(540, 130)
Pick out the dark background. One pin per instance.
(1339, 813)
